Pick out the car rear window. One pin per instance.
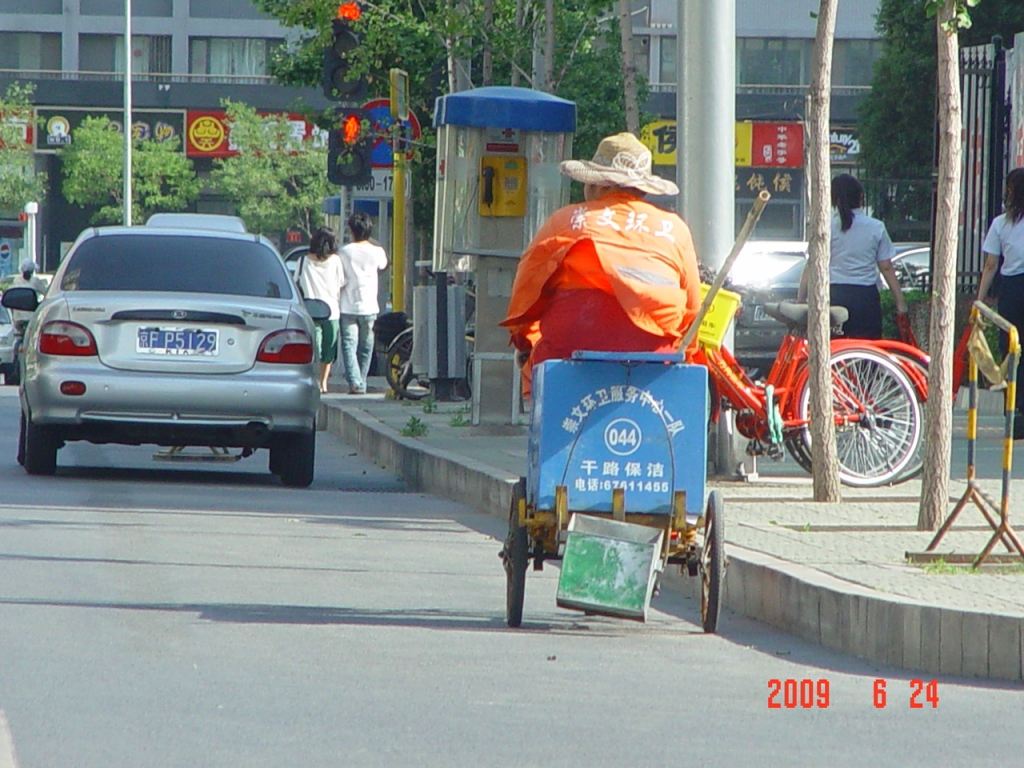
(177, 263)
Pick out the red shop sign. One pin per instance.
(778, 145)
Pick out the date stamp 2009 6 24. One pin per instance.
(808, 694)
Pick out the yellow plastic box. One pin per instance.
(716, 321)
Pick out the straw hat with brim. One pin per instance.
(620, 161)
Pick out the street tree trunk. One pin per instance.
(549, 46)
(629, 68)
(519, 22)
(938, 420)
(824, 458)
(487, 59)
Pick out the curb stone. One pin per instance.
(797, 599)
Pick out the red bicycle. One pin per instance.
(876, 400)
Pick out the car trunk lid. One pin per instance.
(177, 333)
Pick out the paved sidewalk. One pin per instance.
(831, 573)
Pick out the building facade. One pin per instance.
(774, 40)
(186, 55)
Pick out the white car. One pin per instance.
(7, 347)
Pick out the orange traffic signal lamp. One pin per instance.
(350, 148)
(349, 11)
(337, 83)
(351, 127)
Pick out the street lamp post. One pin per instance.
(706, 123)
(127, 121)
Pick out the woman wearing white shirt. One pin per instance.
(860, 251)
(1006, 239)
(321, 276)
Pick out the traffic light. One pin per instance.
(337, 57)
(350, 148)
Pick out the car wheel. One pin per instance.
(21, 440)
(41, 446)
(293, 456)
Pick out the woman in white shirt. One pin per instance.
(860, 251)
(321, 277)
(1006, 239)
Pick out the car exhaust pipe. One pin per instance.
(254, 433)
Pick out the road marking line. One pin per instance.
(7, 757)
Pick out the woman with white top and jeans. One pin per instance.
(1006, 239)
(361, 260)
(861, 250)
(321, 277)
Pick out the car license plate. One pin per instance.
(190, 342)
(759, 313)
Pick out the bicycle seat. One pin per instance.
(795, 315)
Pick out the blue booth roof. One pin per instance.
(502, 106)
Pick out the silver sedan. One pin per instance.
(171, 337)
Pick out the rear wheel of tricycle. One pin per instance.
(712, 562)
(516, 556)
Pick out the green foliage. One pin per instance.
(163, 179)
(430, 405)
(897, 119)
(414, 428)
(279, 179)
(19, 182)
(961, 15)
(412, 36)
(889, 328)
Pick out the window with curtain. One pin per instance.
(240, 56)
(105, 53)
(853, 61)
(773, 61)
(667, 59)
(29, 50)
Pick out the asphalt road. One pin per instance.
(202, 615)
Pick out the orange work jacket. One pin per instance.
(620, 243)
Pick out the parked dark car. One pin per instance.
(768, 271)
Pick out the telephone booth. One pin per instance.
(498, 153)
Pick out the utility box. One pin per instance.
(498, 153)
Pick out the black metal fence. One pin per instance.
(905, 205)
(986, 111)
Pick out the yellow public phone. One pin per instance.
(502, 185)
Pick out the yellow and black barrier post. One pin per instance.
(1003, 531)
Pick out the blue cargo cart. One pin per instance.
(615, 485)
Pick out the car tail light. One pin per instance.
(73, 388)
(63, 338)
(292, 347)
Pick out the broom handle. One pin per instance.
(748, 226)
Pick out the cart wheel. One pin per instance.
(516, 555)
(712, 562)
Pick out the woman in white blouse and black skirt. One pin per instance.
(1005, 240)
(861, 250)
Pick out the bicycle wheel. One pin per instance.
(878, 417)
(916, 463)
(398, 369)
(799, 452)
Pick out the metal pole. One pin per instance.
(31, 210)
(127, 121)
(705, 126)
